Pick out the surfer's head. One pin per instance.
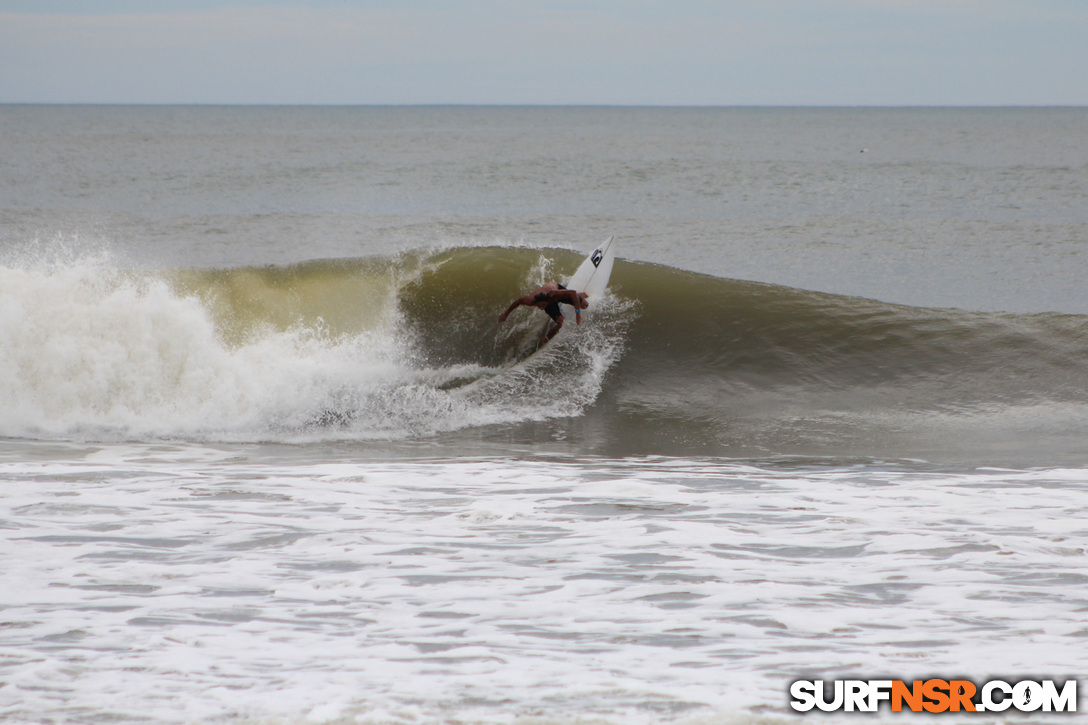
(583, 300)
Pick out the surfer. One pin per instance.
(547, 298)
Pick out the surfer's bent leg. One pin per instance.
(555, 328)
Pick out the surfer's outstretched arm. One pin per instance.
(524, 300)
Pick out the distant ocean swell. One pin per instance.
(409, 346)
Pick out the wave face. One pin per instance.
(765, 368)
(409, 348)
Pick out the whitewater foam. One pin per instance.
(89, 349)
(180, 582)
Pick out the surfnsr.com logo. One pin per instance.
(933, 695)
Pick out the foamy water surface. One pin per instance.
(179, 582)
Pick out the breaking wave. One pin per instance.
(408, 346)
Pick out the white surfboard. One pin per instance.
(592, 277)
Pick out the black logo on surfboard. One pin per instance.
(598, 255)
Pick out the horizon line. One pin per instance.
(707, 106)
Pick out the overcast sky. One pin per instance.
(653, 52)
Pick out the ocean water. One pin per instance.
(266, 454)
